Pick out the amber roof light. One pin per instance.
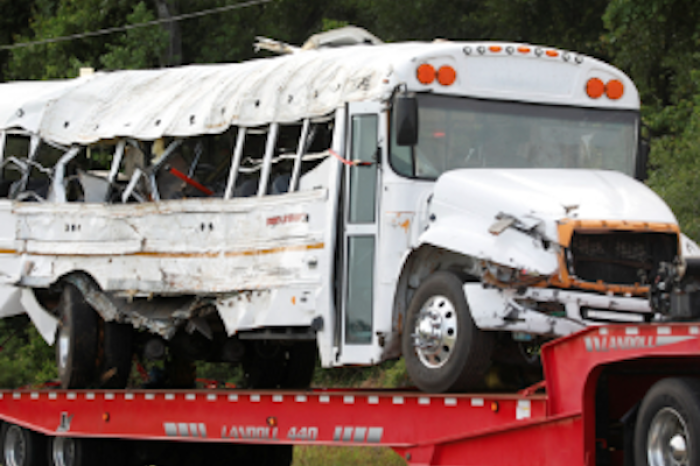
(425, 73)
(595, 88)
(446, 75)
(614, 89)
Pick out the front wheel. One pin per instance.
(668, 424)
(443, 349)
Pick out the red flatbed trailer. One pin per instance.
(596, 381)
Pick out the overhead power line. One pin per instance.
(102, 32)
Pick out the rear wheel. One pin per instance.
(89, 351)
(22, 447)
(443, 349)
(76, 345)
(668, 424)
(117, 355)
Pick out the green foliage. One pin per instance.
(25, 358)
(62, 18)
(676, 177)
(390, 374)
(142, 47)
(656, 41)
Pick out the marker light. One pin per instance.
(495, 48)
(595, 88)
(524, 49)
(425, 73)
(552, 53)
(446, 75)
(614, 89)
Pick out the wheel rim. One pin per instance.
(667, 442)
(435, 332)
(15, 447)
(63, 349)
(63, 451)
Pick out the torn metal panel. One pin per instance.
(493, 309)
(44, 322)
(161, 316)
(10, 301)
(257, 309)
(517, 310)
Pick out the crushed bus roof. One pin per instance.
(208, 99)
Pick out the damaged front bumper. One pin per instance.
(549, 312)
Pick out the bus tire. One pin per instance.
(77, 338)
(443, 349)
(300, 365)
(117, 355)
(668, 424)
(270, 365)
(22, 447)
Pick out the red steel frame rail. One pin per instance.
(472, 429)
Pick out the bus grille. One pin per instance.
(620, 258)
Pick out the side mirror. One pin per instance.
(406, 115)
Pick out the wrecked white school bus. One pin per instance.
(442, 202)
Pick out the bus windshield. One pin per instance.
(457, 132)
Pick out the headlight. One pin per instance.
(501, 275)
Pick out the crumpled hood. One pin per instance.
(551, 194)
(466, 202)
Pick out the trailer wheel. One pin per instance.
(68, 451)
(76, 342)
(668, 424)
(443, 349)
(22, 447)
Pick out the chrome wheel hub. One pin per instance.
(63, 451)
(667, 442)
(63, 349)
(435, 332)
(15, 447)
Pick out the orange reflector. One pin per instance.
(494, 406)
(595, 88)
(614, 89)
(524, 49)
(425, 73)
(495, 48)
(105, 417)
(552, 53)
(272, 421)
(446, 75)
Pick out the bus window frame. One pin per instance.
(391, 141)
